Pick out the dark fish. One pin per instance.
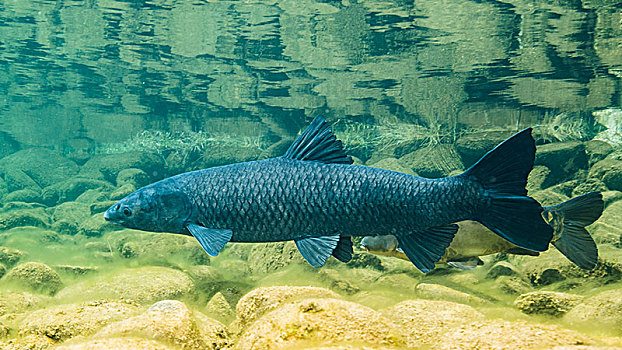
(316, 197)
(473, 240)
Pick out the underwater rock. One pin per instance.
(13, 302)
(43, 166)
(539, 178)
(27, 195)
(35, 276)
(10, 256)
(321, 320)
(2, 270)
(512, 285)
(16, 180)
(207, 279)
(364, 260)
(71, 189)
(29, 342)
(262, 300)
(425, 321)
(608, 170)
(171, 321)
(133, 176)
(95, 226)
(270, 257)
(610, 197)
(95, 198)
(24, 217)
(608, 228)
(562, 158)
(597, 150)
(115, 344)
(440, 292)
(61, 322)
(108, 166)
(339, 282)
(157, 248)
(473, 146)
(400, 281)
(433, 161)
(502, 268)
(603, 309)
(4, 188)
(144, 285)
(391, 164)
(549, 197)
(73, 213)
(122, 191)
(589, 185)
(219, 308)
(547, 303)
(500, 334)
(76, 270)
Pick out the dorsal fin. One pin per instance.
(318, 143)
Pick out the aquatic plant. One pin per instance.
(184, 143)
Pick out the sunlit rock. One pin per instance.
(500, 334)
(427, 320)
(144, 285)
(321, 320)
(547, 303)
(171, 321)
(601, 310)
(36, 277)
(61, 322)
(265, 299)
(440, 292)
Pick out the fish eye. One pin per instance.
(127, 211)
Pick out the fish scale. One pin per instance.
(314, 199)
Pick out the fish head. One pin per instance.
(152, 209)
(379, 244)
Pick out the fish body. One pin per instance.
(474, 240)
(316, 197)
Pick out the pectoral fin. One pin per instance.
(212, 240)
(317, 249)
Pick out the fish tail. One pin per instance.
(568, 220)
(509, 212)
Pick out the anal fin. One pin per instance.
(211, 240)
(424, 248)
(317, 249)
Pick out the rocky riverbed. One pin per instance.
(72, 281)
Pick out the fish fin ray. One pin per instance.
(316, 250)
(318, 143)
(343, 251)
(424, 248)
(511, 214)
(211, 240)
(573, 240)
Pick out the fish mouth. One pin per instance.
(107, 216)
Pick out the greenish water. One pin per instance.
(101, 97)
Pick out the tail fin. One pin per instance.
(510, 212)
(568, 220)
